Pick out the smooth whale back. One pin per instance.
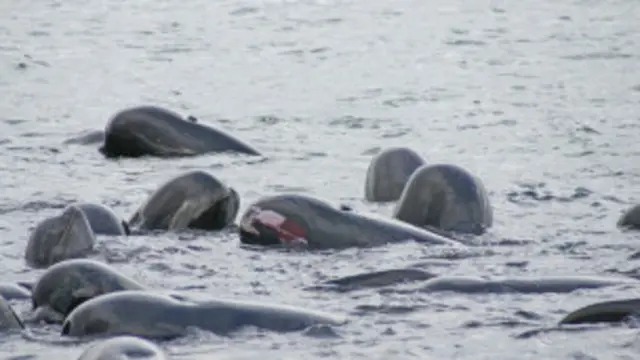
(445, 197)
(534, 285)
(630, 219)
(124, 348)
(150, 130)
(388, 173)
(65, 236)
(194, 199)
(103, 220)
(604, 312)
(157, 316)
(68, 284)
(323, 226)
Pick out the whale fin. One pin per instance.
(187, 213)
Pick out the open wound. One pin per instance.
(288, 231)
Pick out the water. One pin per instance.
(539, 99)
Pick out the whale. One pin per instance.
(67, 284)
(374, 279)
(612, 311)
(301, 221)
(12, 291)
(103, 220)
(64, 236)
(192, 200)
(154, 131)
(525, 285)
(124, 348)
(630, 219)
(445, 197)
(431, 283)
(156, 316)
(388, 173)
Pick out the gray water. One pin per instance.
(539, 99)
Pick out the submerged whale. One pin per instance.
(303, 221)
(475, 284)
(154, 131)
(388, 173)
(613, 311)
(630, 219)
(445, 197)
(124, 348)
(195, 200)
(141, 313)
(11, 291)
(60, 237)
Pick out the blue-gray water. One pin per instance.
(540, 99)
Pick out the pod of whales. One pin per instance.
(445, 197)
(388, 173)
(140, 313)
(304, 221)
(69, 283)
(124, 348)
(154, 131)
(195, 200)
(60, 237)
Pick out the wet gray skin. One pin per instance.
(14, 291)
(124, 348)
(388, 173)
(376, 279)
(67, 284)
(321, 226)
(103, 220)
(445, 197)
(614, 311)
(153, 131)
(9, 320)
(194, 200)
(156, 316)
(630, 219)
(532, 285)
(61, 237)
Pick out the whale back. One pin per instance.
(123, 348)
(294, 219)
(68, 284)
(102, 219)
(388, 172)
(150, 130)
(60, 237)
(194, 199)
(130, 312)
(445, 197)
